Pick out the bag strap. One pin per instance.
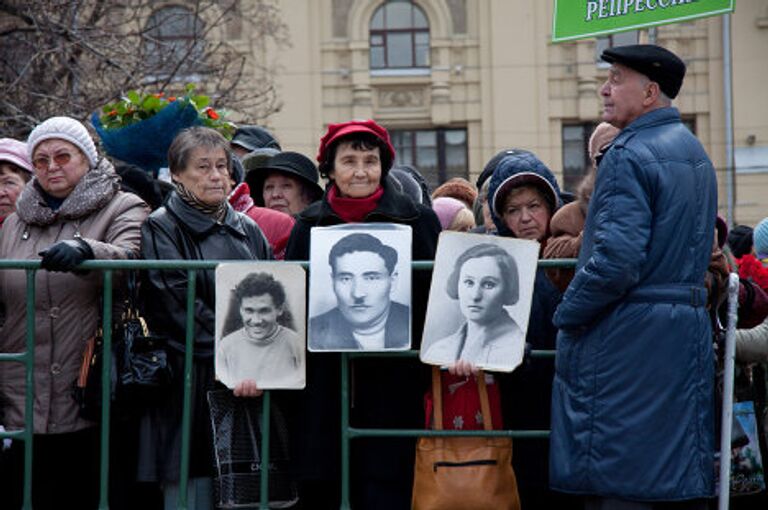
(437, 400)
(485, 406)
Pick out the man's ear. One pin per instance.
(393, 282)
(652, 92)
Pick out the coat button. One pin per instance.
(55, 369)
(54, 312)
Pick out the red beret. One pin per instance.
(336, 131)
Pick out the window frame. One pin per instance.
(412, 31)
(190, 42)
(441, 169)
(571, 180)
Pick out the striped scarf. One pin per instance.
(217, 211)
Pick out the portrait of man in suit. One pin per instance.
(363, 277)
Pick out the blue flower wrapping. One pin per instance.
(145, 143)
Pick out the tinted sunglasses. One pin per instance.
(43, 163)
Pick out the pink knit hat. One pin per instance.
(446, 209)
(15, 152)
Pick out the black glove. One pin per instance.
(65, 255)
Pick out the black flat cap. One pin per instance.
(290, 163)
(657, 63)
(254, 137)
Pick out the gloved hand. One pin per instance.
(65, 255)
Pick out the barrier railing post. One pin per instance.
(345, 437)
(727, 411)
(106, 389)
(264, 474)
(186, 414)
(29, 404)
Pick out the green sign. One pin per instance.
(579, 19)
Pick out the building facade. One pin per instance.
(457, 80)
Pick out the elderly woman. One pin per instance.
(524, 195)
(15, 173)
(484, 280)
(356, 157)
(196, 223)
(286, 182)
(71, 211)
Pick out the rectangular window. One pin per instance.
(612, 41)
(576, 161)
(438, 154)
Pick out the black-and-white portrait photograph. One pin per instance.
(260, 318)
(479, 301)
(360, 288)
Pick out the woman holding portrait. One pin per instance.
(484, 280)
(196, 223)
(356, 157)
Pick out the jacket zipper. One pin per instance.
(482, 462)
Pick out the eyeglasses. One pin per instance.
(43, 163)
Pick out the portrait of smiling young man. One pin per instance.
(264, 352)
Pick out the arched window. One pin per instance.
(175, 42)
(399, 36)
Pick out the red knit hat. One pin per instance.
(336, 131)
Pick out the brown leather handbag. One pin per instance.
(464, 473)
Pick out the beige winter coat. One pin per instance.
(67, 305)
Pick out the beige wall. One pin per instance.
(507, 84)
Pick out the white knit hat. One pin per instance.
(67, 129)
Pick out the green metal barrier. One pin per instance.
(108, 267)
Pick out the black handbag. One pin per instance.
(143, 371)
(139, 372)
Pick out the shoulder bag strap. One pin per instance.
(437, 399)
(485, 407)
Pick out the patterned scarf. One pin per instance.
(217, 211)
(93, 191)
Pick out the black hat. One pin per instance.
(291, 163)
(254, 137)
(258, 158)
(657, 63)
(740, 240)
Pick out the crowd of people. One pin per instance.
(629, 399)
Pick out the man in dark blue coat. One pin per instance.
(632, 402)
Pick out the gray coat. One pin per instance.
(67, 305)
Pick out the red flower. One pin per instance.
(112, 113)
(212, 114)
(172, 99)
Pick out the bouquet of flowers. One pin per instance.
(139, 128)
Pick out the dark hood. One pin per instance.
(529, 169)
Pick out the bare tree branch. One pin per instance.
(70, 57)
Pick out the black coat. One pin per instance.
(177, 231)
(332, 331)
(386, 392)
